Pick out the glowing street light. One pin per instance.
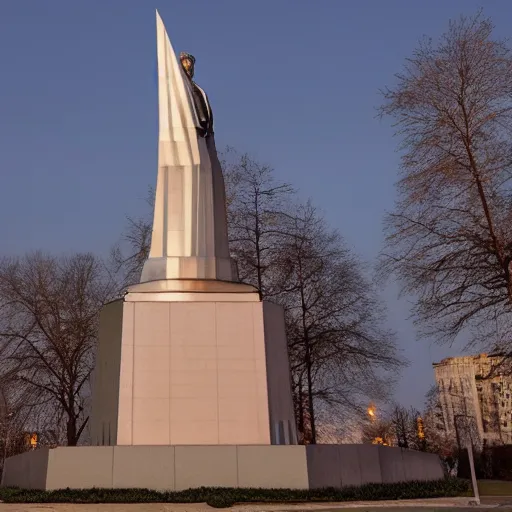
(421, 431)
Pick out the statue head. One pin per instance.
(188, 61)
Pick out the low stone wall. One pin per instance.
(358, 464)
(184, 467)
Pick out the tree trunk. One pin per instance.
(71, 431)
(310, 393)
(300, 413)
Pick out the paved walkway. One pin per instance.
(458, 504)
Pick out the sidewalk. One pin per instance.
(424, 505)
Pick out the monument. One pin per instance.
(190, 356)
(192, 381)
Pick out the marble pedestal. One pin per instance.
(191, 362)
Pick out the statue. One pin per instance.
(189, 239)
(189, 302)
(202, 105)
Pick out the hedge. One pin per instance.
(225, 497)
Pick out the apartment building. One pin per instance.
(475, 398)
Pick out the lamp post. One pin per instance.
(469, 448)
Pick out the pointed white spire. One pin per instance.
(185, 243)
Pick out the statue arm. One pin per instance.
(211, 115)
(210, 111)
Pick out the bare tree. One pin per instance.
(401, 426)
(128, 255)
(449, 239)
(259, 211)
(49, 311)
(336, 426)
(378, 431)
(463, 415)
(340, 352)
(406, 428)
(20, 410)
(438, 438)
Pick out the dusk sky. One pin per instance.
(292, 82)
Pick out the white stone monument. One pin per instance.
(190, 356)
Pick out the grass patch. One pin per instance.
(225, 497)
(494, 488)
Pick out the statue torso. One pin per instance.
(203, 109)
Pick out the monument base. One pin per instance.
(176, 468)
(192, 362)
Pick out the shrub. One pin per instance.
(220, 501)
(501, 462)
(226, 497)
(493, 462)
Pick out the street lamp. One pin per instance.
(469, 447)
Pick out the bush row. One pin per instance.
(225, 497)
(493, 462)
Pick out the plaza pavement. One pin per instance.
(502, 504)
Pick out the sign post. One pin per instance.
(473, 474)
